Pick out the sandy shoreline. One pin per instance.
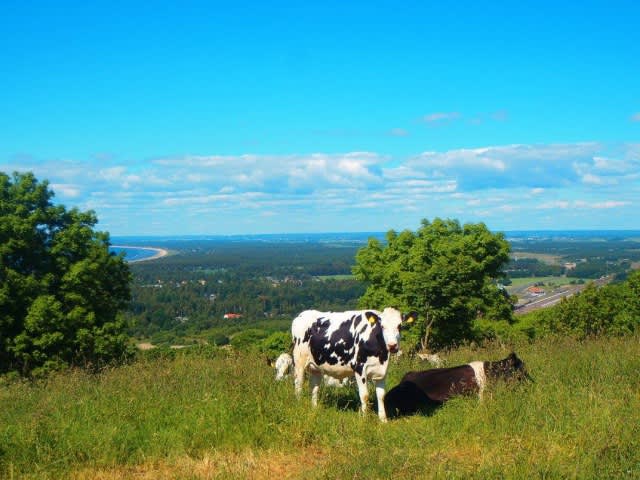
(160, 252)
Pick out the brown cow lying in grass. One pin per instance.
(431, 388)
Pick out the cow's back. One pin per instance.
(439, 384)
(303, 322)
(406, 398)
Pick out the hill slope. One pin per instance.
(221, 415)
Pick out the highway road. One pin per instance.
(551, 298)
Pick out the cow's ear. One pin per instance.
(410, 317)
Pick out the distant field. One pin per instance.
(547, 258)
(336, 277)
(525, 281)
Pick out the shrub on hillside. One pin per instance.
(275, 344)
(609, 310)
(249, 339)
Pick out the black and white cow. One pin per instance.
(431, 388)
(342, 344)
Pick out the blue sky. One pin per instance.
(276, 117)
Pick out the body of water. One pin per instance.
(135, 254)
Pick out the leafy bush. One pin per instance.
(609, 310)
(275, 344)
(249, 339)
(218, 339)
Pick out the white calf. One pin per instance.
(284, 365)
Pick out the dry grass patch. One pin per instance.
(248, 464)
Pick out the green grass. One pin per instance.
(203, 415)
(551, 280)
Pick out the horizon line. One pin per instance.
(363, 232)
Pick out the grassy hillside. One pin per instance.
(204, 415)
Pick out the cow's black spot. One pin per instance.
(317, 340)
(374, 346)
(307, 335)
(342, 342)
(334, 348)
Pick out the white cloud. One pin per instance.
(582, 204)
(481, 157)
(441, 117)
(113, 173)
(609, 204)
(398, 132)
(530, 166)
(592, 179)
(557, 204)
(518, 185)
(66, 190)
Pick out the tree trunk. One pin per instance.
(424, 342)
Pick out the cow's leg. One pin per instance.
(361, 380)
(315, 379)
(380, 386)
(299, 367)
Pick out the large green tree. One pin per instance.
(61, 290)
(446, 272)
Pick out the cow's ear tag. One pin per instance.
(371, 319)
(409, 319)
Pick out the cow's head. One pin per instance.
(391, 321)
(513, 367)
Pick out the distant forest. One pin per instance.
(265, 281)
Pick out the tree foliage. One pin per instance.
(60, 288)
(445, 271)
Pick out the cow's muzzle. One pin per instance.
(393, 348)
